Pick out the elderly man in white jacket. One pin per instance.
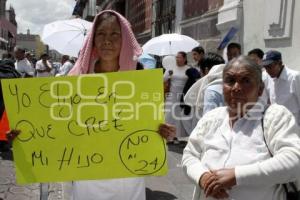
(243, 151)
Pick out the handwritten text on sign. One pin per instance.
(88, 127)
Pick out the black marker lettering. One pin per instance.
(97, 158)
(28, 134)
(39, 156)
(70, 128)
(87, 163)
(44, 91)
(68, 160)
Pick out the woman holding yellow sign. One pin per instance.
(111, 47)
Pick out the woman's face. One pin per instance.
(108, 39)
(241, 89)
(180, 60)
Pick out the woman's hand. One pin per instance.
(167, 131)
(206, 179)
(12, 134)
(220, 181)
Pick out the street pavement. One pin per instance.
(173, 186)
(9, 190)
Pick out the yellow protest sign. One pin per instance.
(98, 126)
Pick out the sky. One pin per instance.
(34, 14)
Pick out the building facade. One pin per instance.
(199, 19)
(274, 26)
(8, 29)
(31, 43)
(88, 9)
(118, 5)
(264, 25)
(259, 24)
(139, 14)
(164, 17)
(150, 18)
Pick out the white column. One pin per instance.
(231, 15)
(179, 11)
(154, 10)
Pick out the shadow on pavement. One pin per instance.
(177, 148)
(158, 195)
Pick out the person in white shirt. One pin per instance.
(177, 78)
(243, 151)
(282, 83)
(256, 55)
(197, 97)
(198, 55)
(233, 50)
(43, 66)
(67, 65)
(22, 65)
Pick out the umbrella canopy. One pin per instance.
(169, 44)
(169, 62)
(66, 36)
(148, 61)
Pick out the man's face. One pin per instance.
(255, 58)
(63, 60)
(233, 53)
(274, 69)
(19, 55)
(44, 58)
(197, 56)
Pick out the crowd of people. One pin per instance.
(241, 114)
(242, 125)
(28, 66)
(23, 64)
(201, 90)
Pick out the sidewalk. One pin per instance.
(175, 185)
(9, 190)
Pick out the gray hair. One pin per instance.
(248, 63)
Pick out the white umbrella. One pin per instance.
(66, 36)
(169, 62)
(169, 44)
